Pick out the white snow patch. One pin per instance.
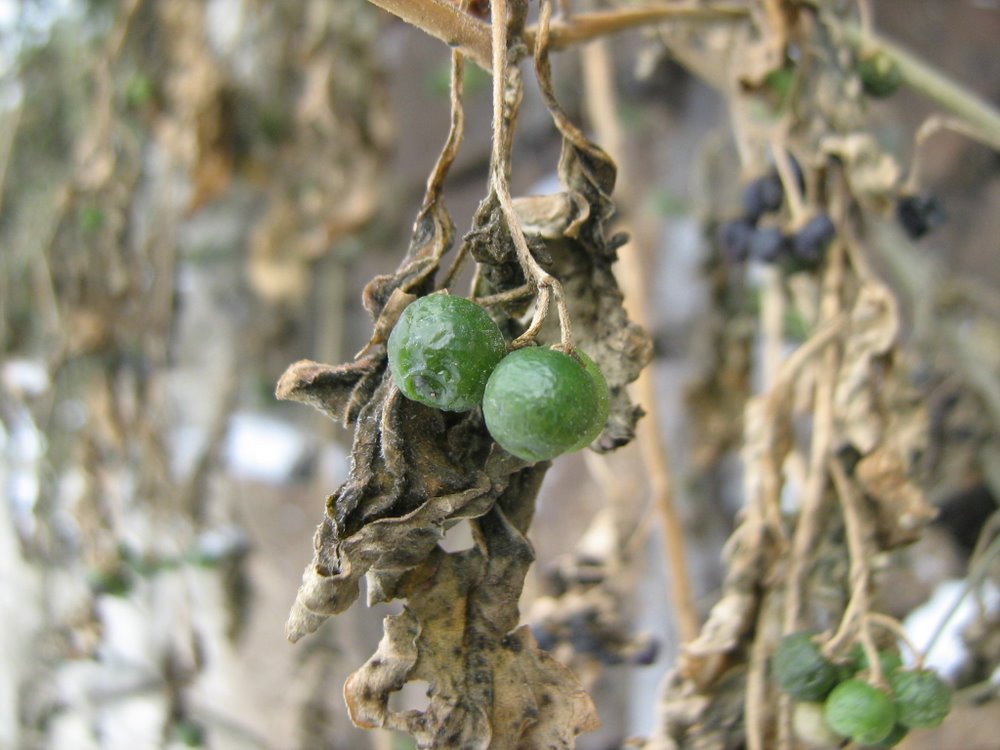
(949, 652)
(25, 377)
(263, 449)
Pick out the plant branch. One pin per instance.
(447, 22)
(603, 110)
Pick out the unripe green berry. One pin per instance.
(442, 351)
(860, 711)
(801, 670)
(880, 74)
(540, 403)
(922, 698)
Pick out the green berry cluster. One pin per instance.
(447, 353)
(849, 705)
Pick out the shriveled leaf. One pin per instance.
(490, 687)
(902, 510)
(337, 390)
(874, 326)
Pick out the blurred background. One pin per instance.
(192, 195)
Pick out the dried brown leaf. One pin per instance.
(873, 329)
(490, 687)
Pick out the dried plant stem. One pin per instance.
(445, 21)
(789, 182)
(892, 625)
(756, 687)
(930, 127)
(435, 183)
(603, 108)
(855, 619)
(501, 298)
(772, 323)
(814, 493)
(546, 284)
(586, 27)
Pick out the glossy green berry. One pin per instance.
(540, 403)
(860, 711)
(603, 401)
(442, 351)
(922, 698)
(801, 670)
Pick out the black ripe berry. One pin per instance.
(919, 214)
(768, 244)
(809, 243)
(733, 238)
(762, 196)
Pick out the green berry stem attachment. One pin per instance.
(892, 625)
(547, 286)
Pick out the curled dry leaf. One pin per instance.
(874, 326)
(490, 686)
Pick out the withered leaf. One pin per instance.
(490, 686)
(902, 510)
(337, 390)
(874, 326)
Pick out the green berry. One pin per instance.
(603, 401)
(922, 698)
(860, 711)
(442, 351)
(801, 670)
(540, 403)
(879, 74)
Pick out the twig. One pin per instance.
(502, 298)
(586, 27)
(546, 284)
(931, 127)
(892, 625)
(445, 21)
(814, 491)
(435, 183)
(602, 109)
(855, 618)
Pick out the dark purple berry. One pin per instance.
(919, 214)
(763, 196)
(810, 242)
(733, 238)
(768, 244)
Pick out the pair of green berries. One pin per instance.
(852, 707)
(446, 352)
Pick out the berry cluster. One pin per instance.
(447, 353)
(745, 238)
(836, 702)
